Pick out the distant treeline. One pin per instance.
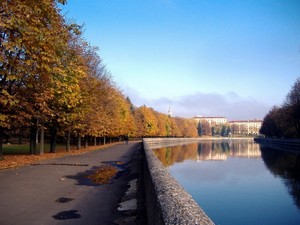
(52, 81)
(284, 121)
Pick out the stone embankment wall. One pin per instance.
(166, 201)
(281, 144)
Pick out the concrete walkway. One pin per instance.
(58, 192)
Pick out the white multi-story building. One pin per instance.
(237, 127)
(212, 120)
(245, 126)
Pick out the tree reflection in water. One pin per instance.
(287, 166)
(208, 150)
(280, 163)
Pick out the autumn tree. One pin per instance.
(131, 106)
(164, 124)
(32, 37)
(191, 128)
(66, 83)
(123, 122)
(181, 126)
(206, 129)
(187, 127)
(235, 129)
(92, 117)
(175, 131)
(146, 121)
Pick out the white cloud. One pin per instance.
(230, 105)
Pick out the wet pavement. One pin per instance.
(59, 191)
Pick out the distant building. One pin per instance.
(245, 126)
(212, 120)
(237, 126)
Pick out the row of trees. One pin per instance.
(152, 123)
(205, 129)
(284, 121)
(52, 80)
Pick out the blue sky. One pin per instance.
(234, 58)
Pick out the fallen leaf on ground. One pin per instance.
(12, 161)
(103, 174)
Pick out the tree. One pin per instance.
(181, 126)
(187, 127)
(224, 131)
(131, 106)
(66, 86)
(174, 129)
(191, 128)
(200, 129)
(292, 107)
(235, 129)
(213, 131)
(146, 121)
(284, 121)
(228, 131)
(32, 34)
(206, 128)
(123, 122)
(270, 126)
(163, 124)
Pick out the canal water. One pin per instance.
(238, 181)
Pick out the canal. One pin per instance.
(238, 181)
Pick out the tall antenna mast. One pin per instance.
(170, 110)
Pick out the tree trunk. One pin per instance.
(1, 143)
(86, 141)
(33, 131)
(20, 141)
(42, 141)
(37, 136)
(78, 142)
(68, 141)
(95, 141)
(7, 138)
(53, 139)
(104, 140)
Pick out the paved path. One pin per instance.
(58, 192)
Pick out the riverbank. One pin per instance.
(169, 142)
(280, 144)
(166, 201)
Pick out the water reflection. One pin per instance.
(287, 166)
(208, 150)
(283, 165)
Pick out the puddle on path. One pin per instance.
(66, 215)
(64, 200)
